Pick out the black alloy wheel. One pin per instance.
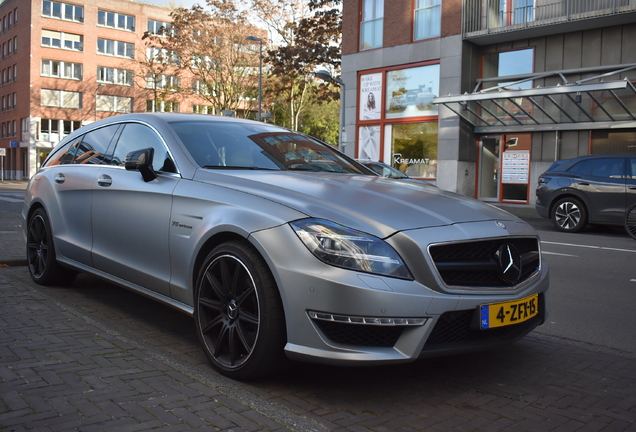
(630, 221)
(569, 215)
(43, 266)
(238, 312)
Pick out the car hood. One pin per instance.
(371, 204)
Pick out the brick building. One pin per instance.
(481, 96)
(68, 63)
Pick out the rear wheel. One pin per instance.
(43, 265)
(569, 215)
(630, 221)
(238, 312)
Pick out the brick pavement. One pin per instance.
(94, 357)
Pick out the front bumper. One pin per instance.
(330, 312)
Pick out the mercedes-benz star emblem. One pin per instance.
(509, 262)
(500, 225)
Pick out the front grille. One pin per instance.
(474, 264)
(360, 335)
(456, 328)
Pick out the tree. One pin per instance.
(159, 74)
(212, 48)
(305, 43)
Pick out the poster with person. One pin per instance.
(370, 96)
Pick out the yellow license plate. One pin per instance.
(507, 313)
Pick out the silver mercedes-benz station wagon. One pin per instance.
(279, 245)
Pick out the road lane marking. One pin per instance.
(560, 254)
(589, 247)
(11, 200)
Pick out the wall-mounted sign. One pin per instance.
(515, 167)
(13, 144)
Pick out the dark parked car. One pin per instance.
(383, 170)
(595, 189)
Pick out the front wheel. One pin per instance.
(238, 312)
(43, 266)
(569, 215)
(630, 221)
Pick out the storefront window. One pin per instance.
(413, 148)
(410, 92)
(369, 147)
(397, 120)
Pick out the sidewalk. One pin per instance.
(62, 370)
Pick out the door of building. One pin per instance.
(504, 168)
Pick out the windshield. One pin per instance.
(238, 145)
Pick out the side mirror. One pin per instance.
(141, 160)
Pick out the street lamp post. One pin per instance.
(260, 74)
(326, 76)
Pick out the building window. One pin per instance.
(162, 82)
(114, 103)
(116, 20)
(160, 28)
(202, 109)
(15, 44)
(56, 39)
(161, 106)
(61, 99)
(64, 11)
(114, 76)
(161, 55)
(61, 69)
(200, 88)
(24, 136)
(372, 24)
(115, 48)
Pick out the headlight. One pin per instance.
(347, 248)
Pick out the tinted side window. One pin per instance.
(582, 168)
(94, 146)
(608, 168)
(136, 136)
(66, 154)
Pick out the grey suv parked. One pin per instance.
(595, 189)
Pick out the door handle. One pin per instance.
(583, 184)
(632, 187)
(59, 178)
(104, 180)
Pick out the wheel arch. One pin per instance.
(569, 194)
(207, 247)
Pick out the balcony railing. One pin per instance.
(482, 17)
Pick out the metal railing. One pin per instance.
(482, 17)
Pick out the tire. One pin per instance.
(569, 215)
(41, 259)
(630, 221)
(238, 312)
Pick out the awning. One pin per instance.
(590, 103)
